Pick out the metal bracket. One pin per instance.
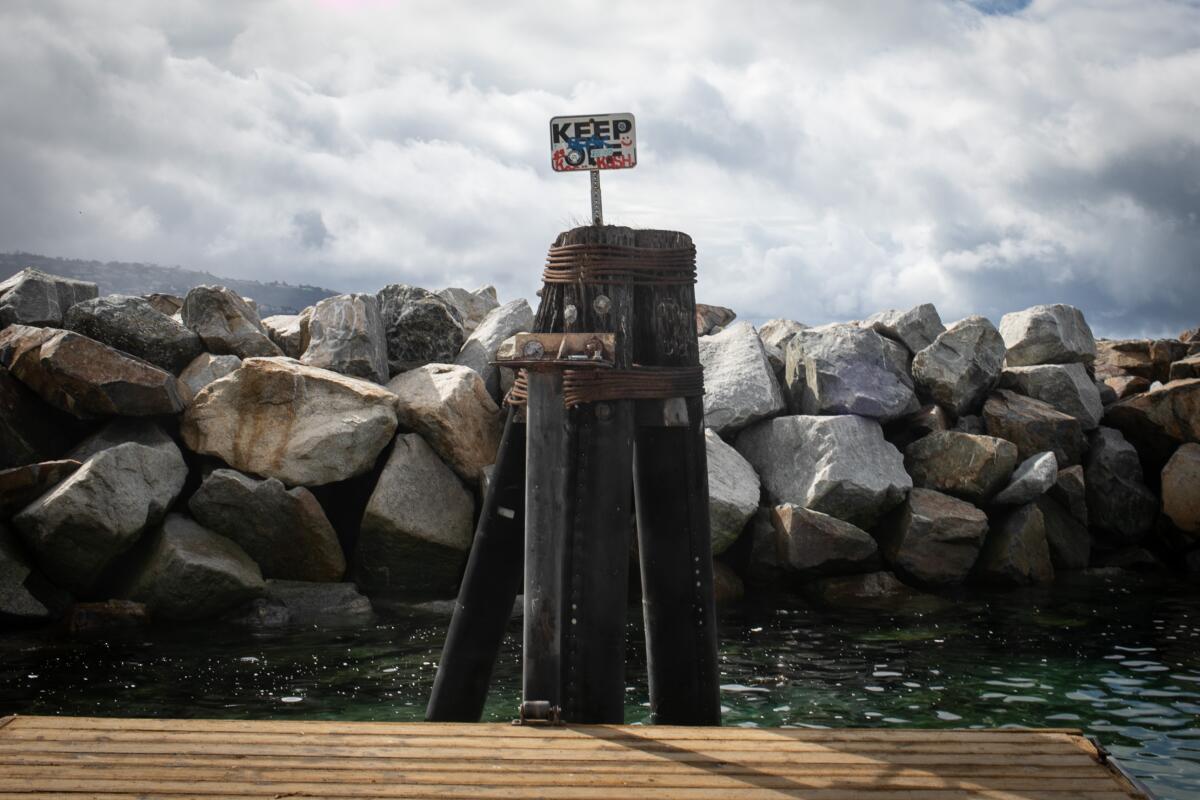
(538, 712)
(557, 351)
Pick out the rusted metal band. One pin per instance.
(640, 383)
(518, 394)
(607, 263)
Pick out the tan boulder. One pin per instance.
(1181, 488)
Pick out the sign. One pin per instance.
(597, 141)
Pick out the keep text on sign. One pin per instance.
(597, 141)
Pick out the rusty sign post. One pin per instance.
(593, 143)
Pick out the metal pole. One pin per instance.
(597, 211)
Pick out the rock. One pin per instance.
(763, 569)
(1159, 421)
(1126, 385)
(133, 326)
(106, 618)
(417, 528)
(120, 431)
(739, 384)
(840, 466)
(33, 297)
(1033, 478)
(848, 370)
(873, 590)
(812, 544)
(283, 530)
(289, 332)
(733, 490)
(480, 347)
(1066, 387)
(1015, 552)
(1190, 335)
(319, 604)
(86, 378)
(19, 600)
(778, 332)
(420, 327)
(30, 430)
(168, 304)
(20, 486)
(277, 418)
(1119, 504)
(933, 539)
(471, 307)
(971, 467)
(1181, 488)
(1107, 395)
(79, 528)
(189, 572)
(207, 368)
(711, 319)
(1052, 334)
(226, 323)
(1145, 358)
(346, 335)
(449, 406)
(1034, 427)
(727, 586)
(916, 328)
(961, 366)
(1134, 559)
(917, 425)
(1068, 539)
(971, 423)
(1070, 491)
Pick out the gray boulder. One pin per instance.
(146, 432)
(19, 596)
(1034, 427)
(1160, 420)
(968, 466)
(479, 350)
(345, 334)
(284, 530)
(132, 325)
(226, 323)
(778, 332)
(812, 544)
(733, 490)
(843, 369)
(79, 528)
(206, 368)
(1051, 334)
(33, 297)
(289, 332)
(322, 605)
(916, 328)
(1068, 539)
(188, 572)
(1119, 504)
(1070, 491)
(1066, 387)
(417, 527)
(1015, 552)
(420, 327)
(840, 466)
(917, 425)
(1033, 478)
(933, 539)
(471, 307)
(739, 384)
(20, 486)
(30, 430)
(961, 366)
(764, 568)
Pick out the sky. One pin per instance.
(829, 159)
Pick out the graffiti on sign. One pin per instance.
(598, 141)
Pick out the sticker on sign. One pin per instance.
(597, 141)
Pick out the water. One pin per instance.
(1118, 659)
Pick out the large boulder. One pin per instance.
(20, 599)
(733, 490)
(421, 328)
(965, 465)
(712, 319)
(1159, 421)
(187, 572)
(304, 603)
(345, 334)
(739, 384)
(283, 530)
(449, 405)
(961, 366)
(121, 430)
(933, 539)
(1181, 488)
(1122, 386)
(86, 378)
(812, 544)
(206, 368)
(1033, 478)
(1015, 552)
(1034, 427)
(30, 430)
(479, 350)
(20, 486)
(169, 304)
(844, 369)
(77, 529)
(33, 297)
(1185, 368)
(289, 332)
(132, 325)
(916, 328)
(1068, 539)
(778, 332)
(1119, 504)
(840, 465)
(1070, 491)
(471, 307)
(1050, 334)
(1066, 387)
(277, 418)
(417, 527)
(226, 323)
(1150, 359)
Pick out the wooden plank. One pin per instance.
(5, 720)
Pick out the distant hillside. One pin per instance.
(119, 277)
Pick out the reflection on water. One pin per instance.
(1119, 660)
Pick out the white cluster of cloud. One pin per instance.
(830, 159)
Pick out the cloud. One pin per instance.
(829, 159)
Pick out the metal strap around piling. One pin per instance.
(608, 264)
(640, 383)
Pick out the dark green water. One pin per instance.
(1119, 659)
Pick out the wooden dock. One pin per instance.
(71, 757)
